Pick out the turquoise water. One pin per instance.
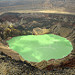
(36, 48)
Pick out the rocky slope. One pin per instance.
(12, 63)
(9, 66)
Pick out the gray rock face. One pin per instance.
(62, 31)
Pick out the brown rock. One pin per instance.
(0, 38)
(62, 31)
(11, 53)
(39, 31)
(65, 31)
(41, 64)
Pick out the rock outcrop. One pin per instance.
(39, 31)
(11, 53)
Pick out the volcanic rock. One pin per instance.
(39, 31)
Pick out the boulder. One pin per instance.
(39, 31)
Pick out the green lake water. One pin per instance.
(36, 48)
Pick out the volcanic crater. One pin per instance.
(18, 24)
